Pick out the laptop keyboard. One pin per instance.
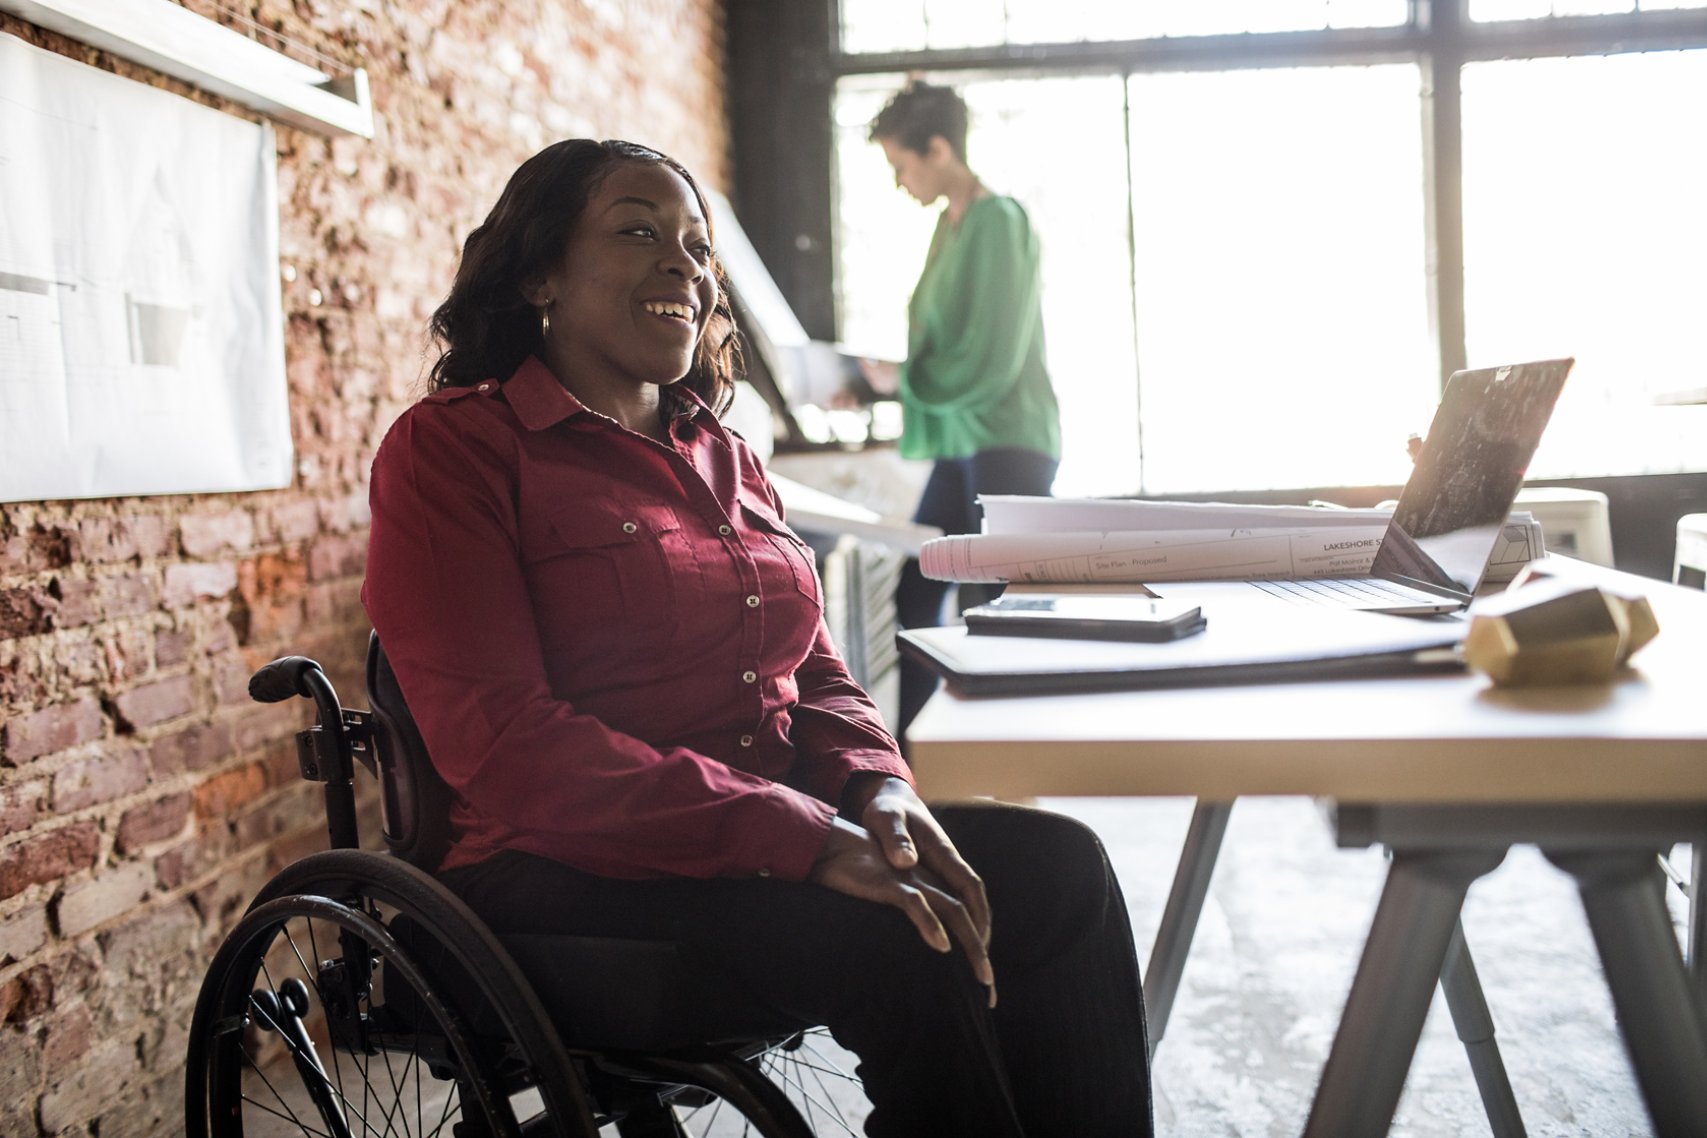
(1342, 592)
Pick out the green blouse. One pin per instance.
(974, 377)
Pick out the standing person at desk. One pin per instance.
(975, 394)
(615, 651)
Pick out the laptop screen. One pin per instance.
(1467, 475)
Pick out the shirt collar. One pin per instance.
(537, 398)
(541, 402)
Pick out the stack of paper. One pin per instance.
(1084, 540)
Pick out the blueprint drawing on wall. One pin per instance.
(141, 337)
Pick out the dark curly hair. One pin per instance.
(487, 327)
(919, 112)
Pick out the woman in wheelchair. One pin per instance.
(614, 649)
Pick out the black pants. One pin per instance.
(950, 502)
(1062, 1054)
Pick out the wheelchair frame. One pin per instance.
(418, 980)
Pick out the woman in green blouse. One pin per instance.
(975, 393)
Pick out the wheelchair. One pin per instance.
(359, 996)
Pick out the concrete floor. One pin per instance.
(1273, 959)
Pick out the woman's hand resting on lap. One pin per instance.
(900, 856)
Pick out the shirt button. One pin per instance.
(629, 527)
(487, 386)
(746, 740)
(764, 873)
(749, 677)
(753, 601)
(725, 530)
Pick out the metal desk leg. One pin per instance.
(1383, 1018)
(1659, 1009)
(1179, 917)
(1463, 990)
(1697, 914)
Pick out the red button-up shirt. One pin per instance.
(615, 649)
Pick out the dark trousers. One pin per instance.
(1062, 1054)
(950, 502)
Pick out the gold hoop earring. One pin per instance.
(545, 322)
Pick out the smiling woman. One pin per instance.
(614, 648)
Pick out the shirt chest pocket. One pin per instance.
(792, 552)
(621, 570)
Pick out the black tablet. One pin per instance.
(1085, 616)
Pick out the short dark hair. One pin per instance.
(486, 325)
(919, 112)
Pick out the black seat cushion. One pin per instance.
(604, 993)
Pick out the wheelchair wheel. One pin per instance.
(331, 1010)
(809, 1070)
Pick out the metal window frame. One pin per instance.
(1439, 37)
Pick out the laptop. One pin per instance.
(1453, 509)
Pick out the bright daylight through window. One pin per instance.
(1236, 266)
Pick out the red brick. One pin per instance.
(296, 521)
(273, 577)
(79, 601)
(52, 729)
(22, 806)
(219, 638)
(172, 647)
(152, 533)
(100, 901)
(264, 723)
(187, 583)
(25, 611)
(336, 604)
(152, 822)
(336, 557)
(343, 515)
(100, 778)
(68, 1037)
(194, 748)
(231, 682)
(21, 934)
(276, 624)
(189, 860)
(298, 808)
(47, 857)
(15, 679)
(105, 1076)
(128, 594)
(104, 540)
(129, 653)
(221, 797)
(221, 900)
(151, 703)
(208, 535)
(26, 995)
(280, 761)
(55, 544)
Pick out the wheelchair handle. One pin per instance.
(324, 750)
(282, 679)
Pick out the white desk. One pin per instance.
(1448, 773)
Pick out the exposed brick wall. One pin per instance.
(143, 798)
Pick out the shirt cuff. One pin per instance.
(788, 847)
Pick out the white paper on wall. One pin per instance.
(141, 338)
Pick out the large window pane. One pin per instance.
(1055, 145)
(1539, 9)
(915, 25)
(1282, 312)
(1584, 180)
